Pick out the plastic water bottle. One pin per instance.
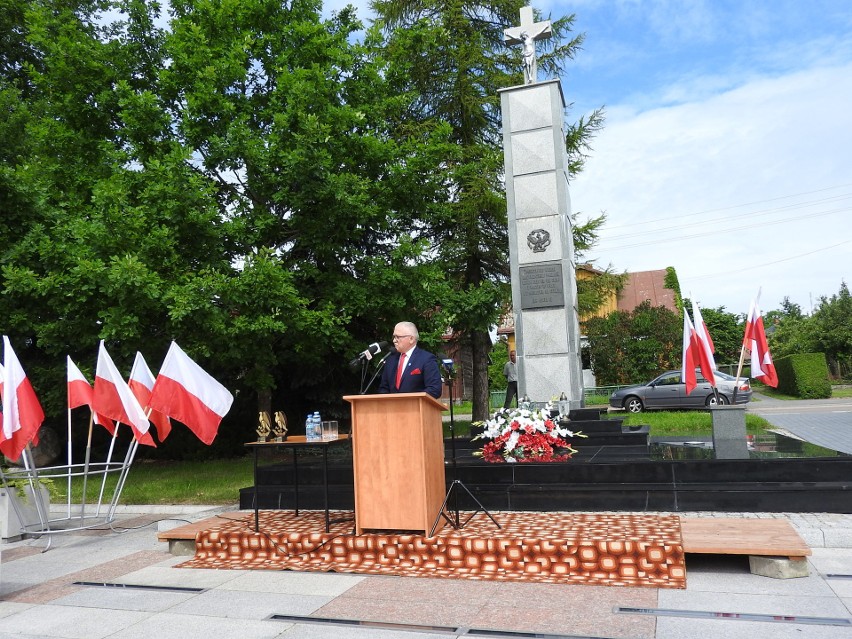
(317, 426)
(309, 427)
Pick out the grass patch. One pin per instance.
(686, 423)
(462, 428)
(771, 392)
(597, 400)
(162, 482)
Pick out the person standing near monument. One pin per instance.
(410, 369)
(510, 370)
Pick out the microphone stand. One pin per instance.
(364, 365)
(452, 516)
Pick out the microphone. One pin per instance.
(372, 349)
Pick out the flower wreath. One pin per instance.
(524, 435)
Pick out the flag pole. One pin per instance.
(122, 477)
(131, 455)
(106, 467)
(69, 463)
(739, 372)
(42, 510)
(86, 467)
(743, 347)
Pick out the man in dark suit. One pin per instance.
(410, 369)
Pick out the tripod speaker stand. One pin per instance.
(452, 515)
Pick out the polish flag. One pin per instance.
(80, 393)
(706, 344)
(754, 340)
(694, 356)
(187, 393)
(79, 389)
(141, 383)
(114, 399)
(22, 413)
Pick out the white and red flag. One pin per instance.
(754, 340)
(114, 399)
(80, 393)
(694, 356)
(79, 388)
(141, 383)
(706, 343)
(22, 413)
(186, 392)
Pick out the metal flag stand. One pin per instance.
(29, 479)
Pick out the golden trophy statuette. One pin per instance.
(280, 430)
(264, 427)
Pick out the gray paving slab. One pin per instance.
(123, 599)
(737, 602)
(164, 625)
(840, 587)
(235, 604)
(719, 573)
(303, 583)
(832, 560)
(167, 575)
(679, 628)
(238, 602)
(318, 631)
(70, 623)
(12, 607)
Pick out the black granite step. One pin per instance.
(603, 478)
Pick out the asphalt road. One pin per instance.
(825, 422)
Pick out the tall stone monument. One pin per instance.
(541, 245)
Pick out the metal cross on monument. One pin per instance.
(527, 35)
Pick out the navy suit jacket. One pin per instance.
(421, 374)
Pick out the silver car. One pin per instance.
(668, 391)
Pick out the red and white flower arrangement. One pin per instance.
(522, 435)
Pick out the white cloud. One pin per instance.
(743, 148)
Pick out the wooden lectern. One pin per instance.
(398, 461)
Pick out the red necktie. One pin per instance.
(399, 369)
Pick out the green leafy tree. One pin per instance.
(632, 347)
(789, 331)
(833, 331)
(452, 57)
(240, 182)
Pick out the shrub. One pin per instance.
(803, 375)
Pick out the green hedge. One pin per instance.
(803, 375)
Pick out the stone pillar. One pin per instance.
(729, 432)
(541, 245)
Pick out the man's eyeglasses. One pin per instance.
(399, 337)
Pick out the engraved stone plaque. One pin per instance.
(541, 286)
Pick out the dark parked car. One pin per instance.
(668, 391)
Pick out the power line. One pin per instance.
(736, 206)
(785, 259)
(739, 216)
(717, 231)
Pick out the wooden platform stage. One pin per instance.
(737, 536)
(597, 549)
(613, 549)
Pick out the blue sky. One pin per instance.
(727, 150)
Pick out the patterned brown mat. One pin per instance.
(609, 550)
